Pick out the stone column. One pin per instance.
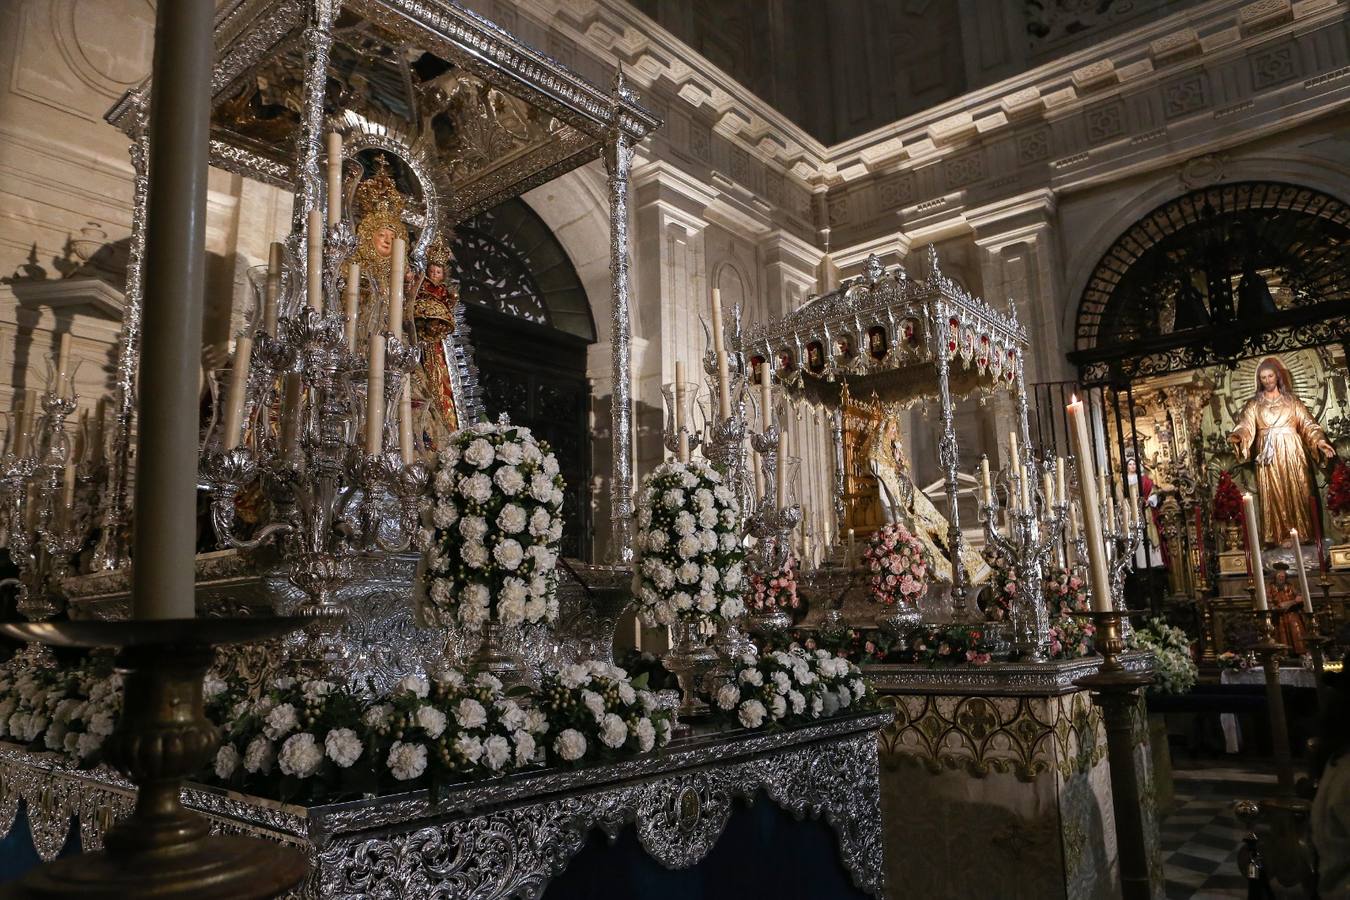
(1019, 264)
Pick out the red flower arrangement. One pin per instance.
(899, 564)
(780, 590)
(1227, 499)
(1338, 490)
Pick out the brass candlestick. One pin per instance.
(1317, 643)
(163, 736)
(1116, 690)
(1270, 651)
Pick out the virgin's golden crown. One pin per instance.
(378, 198)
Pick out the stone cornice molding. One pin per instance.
(1110, 68)
(676, 193)
(93, 296)
(1014, 219)
(786, 249)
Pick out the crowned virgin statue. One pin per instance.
(905, 503)
(1276, 430)
(433, 310)
(379, 210)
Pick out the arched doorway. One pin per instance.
(1216, 275)
(530, 325)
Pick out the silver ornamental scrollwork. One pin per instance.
(509, 837)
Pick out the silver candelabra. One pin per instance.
(1123, 535)
(1034, 529)
(328, 501)
(44, 525)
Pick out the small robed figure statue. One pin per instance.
(1277, 431)
(1288, 605)
(433, 310)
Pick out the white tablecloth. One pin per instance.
(1292, 676)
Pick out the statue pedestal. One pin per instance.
(995, 780)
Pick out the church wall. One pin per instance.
(1021, 182)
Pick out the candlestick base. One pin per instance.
(1115, 690)
(1270, 651)
(163, 736)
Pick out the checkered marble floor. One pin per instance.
(1200, 835)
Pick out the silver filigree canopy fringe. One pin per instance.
(509, 837)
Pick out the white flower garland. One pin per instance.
(791, 686)
(594, 711)
(70, 711)
(497, 527)
(690, 559)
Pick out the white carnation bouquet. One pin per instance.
(594, 710)
(300, 741)
(68, 710)
(690, 559)
(453, 728)
(493, 550)
(792, 686)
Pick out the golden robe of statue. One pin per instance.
(1277, 431)
(433, 310)
(907, 504)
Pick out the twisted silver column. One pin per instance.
(947, 458)
(110, 553)
(318, 45)
(618, 165)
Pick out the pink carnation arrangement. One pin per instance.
(780, 590)
(1002, 586)
(1071, 637)
(1065, 592)
(900, 566)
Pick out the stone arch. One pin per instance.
(1318, 173)
(1215, 274)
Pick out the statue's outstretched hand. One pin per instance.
(1327, 450)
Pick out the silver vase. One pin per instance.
(496, 658)
(690, 659)
(898, 622)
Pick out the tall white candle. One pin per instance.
(1061, 481)
(782, 466)
(720, 353)
(272, 289)
(850, 546)
(375, 397)
(1092, 523)
(986, 483)
(26, 415)
(314, 262)
(766, 395)
(1014, 454)
(681, 433)
(62, 364)
(334, 178)
(1302, 571)
(405, 429)
(68, 488)
(759, 479)
(400, 260)
(1134, 513)
(234, 397)
(292, 402)
(1254, 552)
(353, 303)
